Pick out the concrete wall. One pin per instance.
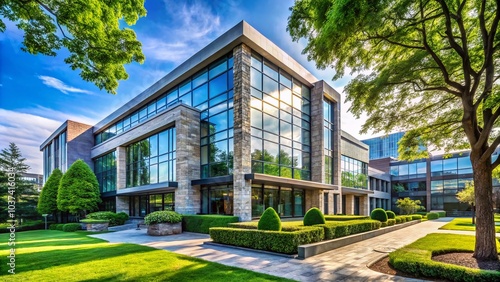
(79, 141)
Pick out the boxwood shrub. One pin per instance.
(269, 220)
(379, 214)
(71, 227)
(113, 218)
(398, 220)
(340, 229)
(390, 214)
(285, 226)
(391, 222)
(416, 216)
(441, 213)
(432, 215)
(202, 223)
(314, 216)
(274, 241)
(345, 217)
(402, 218)
(60, 227)
(162, 217)
(27, 226)
(408, 218)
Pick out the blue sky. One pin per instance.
(38, 93)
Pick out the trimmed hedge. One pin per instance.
(269, 220)
(416, 259)
(95, 221)
(416, 216)
(340, 229)
(55, 226)
(384, 224)
(162, 217)
(432, 215)
(314, 216)
(274, 241)
(408, 218)
(390, 214)
(379, 214)
(71, 227)
(34, 225)
(422, 213)
(441, 213)
(391, 222)
(202, 223)
(60, 227)
(285, 226)
(401, 218)
(345, 217)
(113, 218)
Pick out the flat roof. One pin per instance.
(240, 33)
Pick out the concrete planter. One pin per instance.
(162, 229)
(95, 227)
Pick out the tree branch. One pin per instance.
(55, 16)
(491, 149)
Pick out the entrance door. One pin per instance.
(356, 205)
(325, 203)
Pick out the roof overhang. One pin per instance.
(293, 183)
(148, 189)
(355, 191)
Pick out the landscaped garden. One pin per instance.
(444, 256)
(49, 255)
(465, 224)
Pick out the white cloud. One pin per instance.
(61, 86)
(28, 128)
(192, 26)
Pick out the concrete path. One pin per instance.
(344, 264)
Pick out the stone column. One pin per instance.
(121, 168)
(242, 200)
(317, 140)
(349, 205)
(314, 199)
(364, 205)
(187, 126)
(122, 204)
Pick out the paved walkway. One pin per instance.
(344, 264)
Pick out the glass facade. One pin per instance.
(194, 91)
(280, 122)
(417, 169)
(217, 200)
(152, 160)
(105, 171)
(354, 173)
(287, 202)
(55, 155)
(384, 147)
(328, 124)
(213, 94)
(145, 204)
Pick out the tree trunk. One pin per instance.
(485, 248)
(473, 214)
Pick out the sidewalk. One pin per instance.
(344, 264)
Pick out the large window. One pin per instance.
(286, 201)
(280, 122)
(354, 173)
(152, 160)
(409, 170)
(217, 200)
(328, 126)
(194, 91)
(213, 92)
(105, 171)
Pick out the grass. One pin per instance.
(464, 224)
(49, 255)
(416, 258)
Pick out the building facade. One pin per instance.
(384, 146)
(239, 127)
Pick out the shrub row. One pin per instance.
(345, 217)
(285, 226)
(202, 223)
(274, 241)
(114, 218)
(391, 222)
(334, 230)
(33, 225)
(432, 215)
(66, 227)
(416, 216)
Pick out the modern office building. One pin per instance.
(33, 178)
(384, 146)
(239, 127)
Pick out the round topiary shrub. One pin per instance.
(390, 214)
(269, 220)
(432, 215)
(416, 216)
(379, 214)
(314, 216)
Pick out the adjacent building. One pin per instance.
(239, 127)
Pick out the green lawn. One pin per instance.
(72, 256)
(416, 258)
(464, 224)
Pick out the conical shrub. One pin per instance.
(269, 220)
(314, 216)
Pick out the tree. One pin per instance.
(47, 204)
(408, 206)
(89, 30)
(467, 196)
(430, 67)
(78, 190)
(25, 196)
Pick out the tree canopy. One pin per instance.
(78, 189)
(90, 30)
(429, 68)
(47, 204)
